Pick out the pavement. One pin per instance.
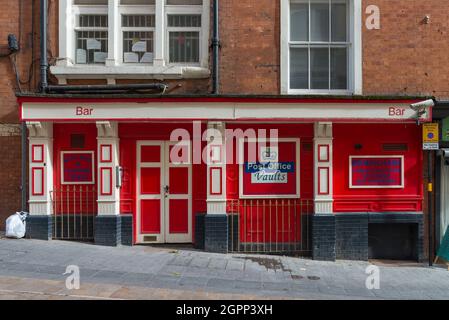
(32, 269)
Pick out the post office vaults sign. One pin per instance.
(274, 173)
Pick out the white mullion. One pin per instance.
(159, 34)
(309, 67)
(113, 30)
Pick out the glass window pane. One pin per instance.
(137, 2)
(138, 47)
(299, 68)
(91, 47)
(184, 20)
(299, 22)
(319, 68)
(91, 2)
(184, 47)
(339, 68)
(93, 21)
(319, 24)
(339, 27)
(140, 21)
(184, 2)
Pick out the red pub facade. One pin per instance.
(191, 122)
(338, 167)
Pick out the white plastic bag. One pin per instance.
(15, 226)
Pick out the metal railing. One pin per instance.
(273, 226)
(74, 210)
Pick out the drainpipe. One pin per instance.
(216, 47)
(44, 83)
(118, 88)
(44, 60)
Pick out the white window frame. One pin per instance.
(354, 52)
(181, 10)
(115, 68)
(135, 10)
(85, 10)
(401, 186)
(241, 146)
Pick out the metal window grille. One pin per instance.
(184, 38)
(138, 29)
(91, 39)
(273, 226)
(74, 209)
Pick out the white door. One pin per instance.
(164, 193)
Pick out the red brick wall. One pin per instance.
(250, 38)
(406, 56)
(10, 200)
(10, 143)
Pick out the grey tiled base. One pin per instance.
(39, 227)
(216, 233)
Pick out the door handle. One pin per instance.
(166, 189)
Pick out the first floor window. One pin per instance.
(146, 32)
(138, 37)
(315, 67)
(184, 38)
(319, 45)
(92, 39)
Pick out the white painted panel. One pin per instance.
(323, 153)
(106, 153)
(38, 176)
(324, 180)
(38, 153)
(216, 181)
(216, 110)
(106, 181)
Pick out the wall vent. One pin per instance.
(395, 147)
(77, 141)
(150, 238)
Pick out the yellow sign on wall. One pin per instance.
(431, 136)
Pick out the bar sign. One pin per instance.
(431, 136)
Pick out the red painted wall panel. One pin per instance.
(257, 225)
(302, 131)
(179, 180)
(68, 202)
(151, 216)
(368, 140)
(178, 216)
(150, 180)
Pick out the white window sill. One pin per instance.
(62, 73)
(320, 92)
